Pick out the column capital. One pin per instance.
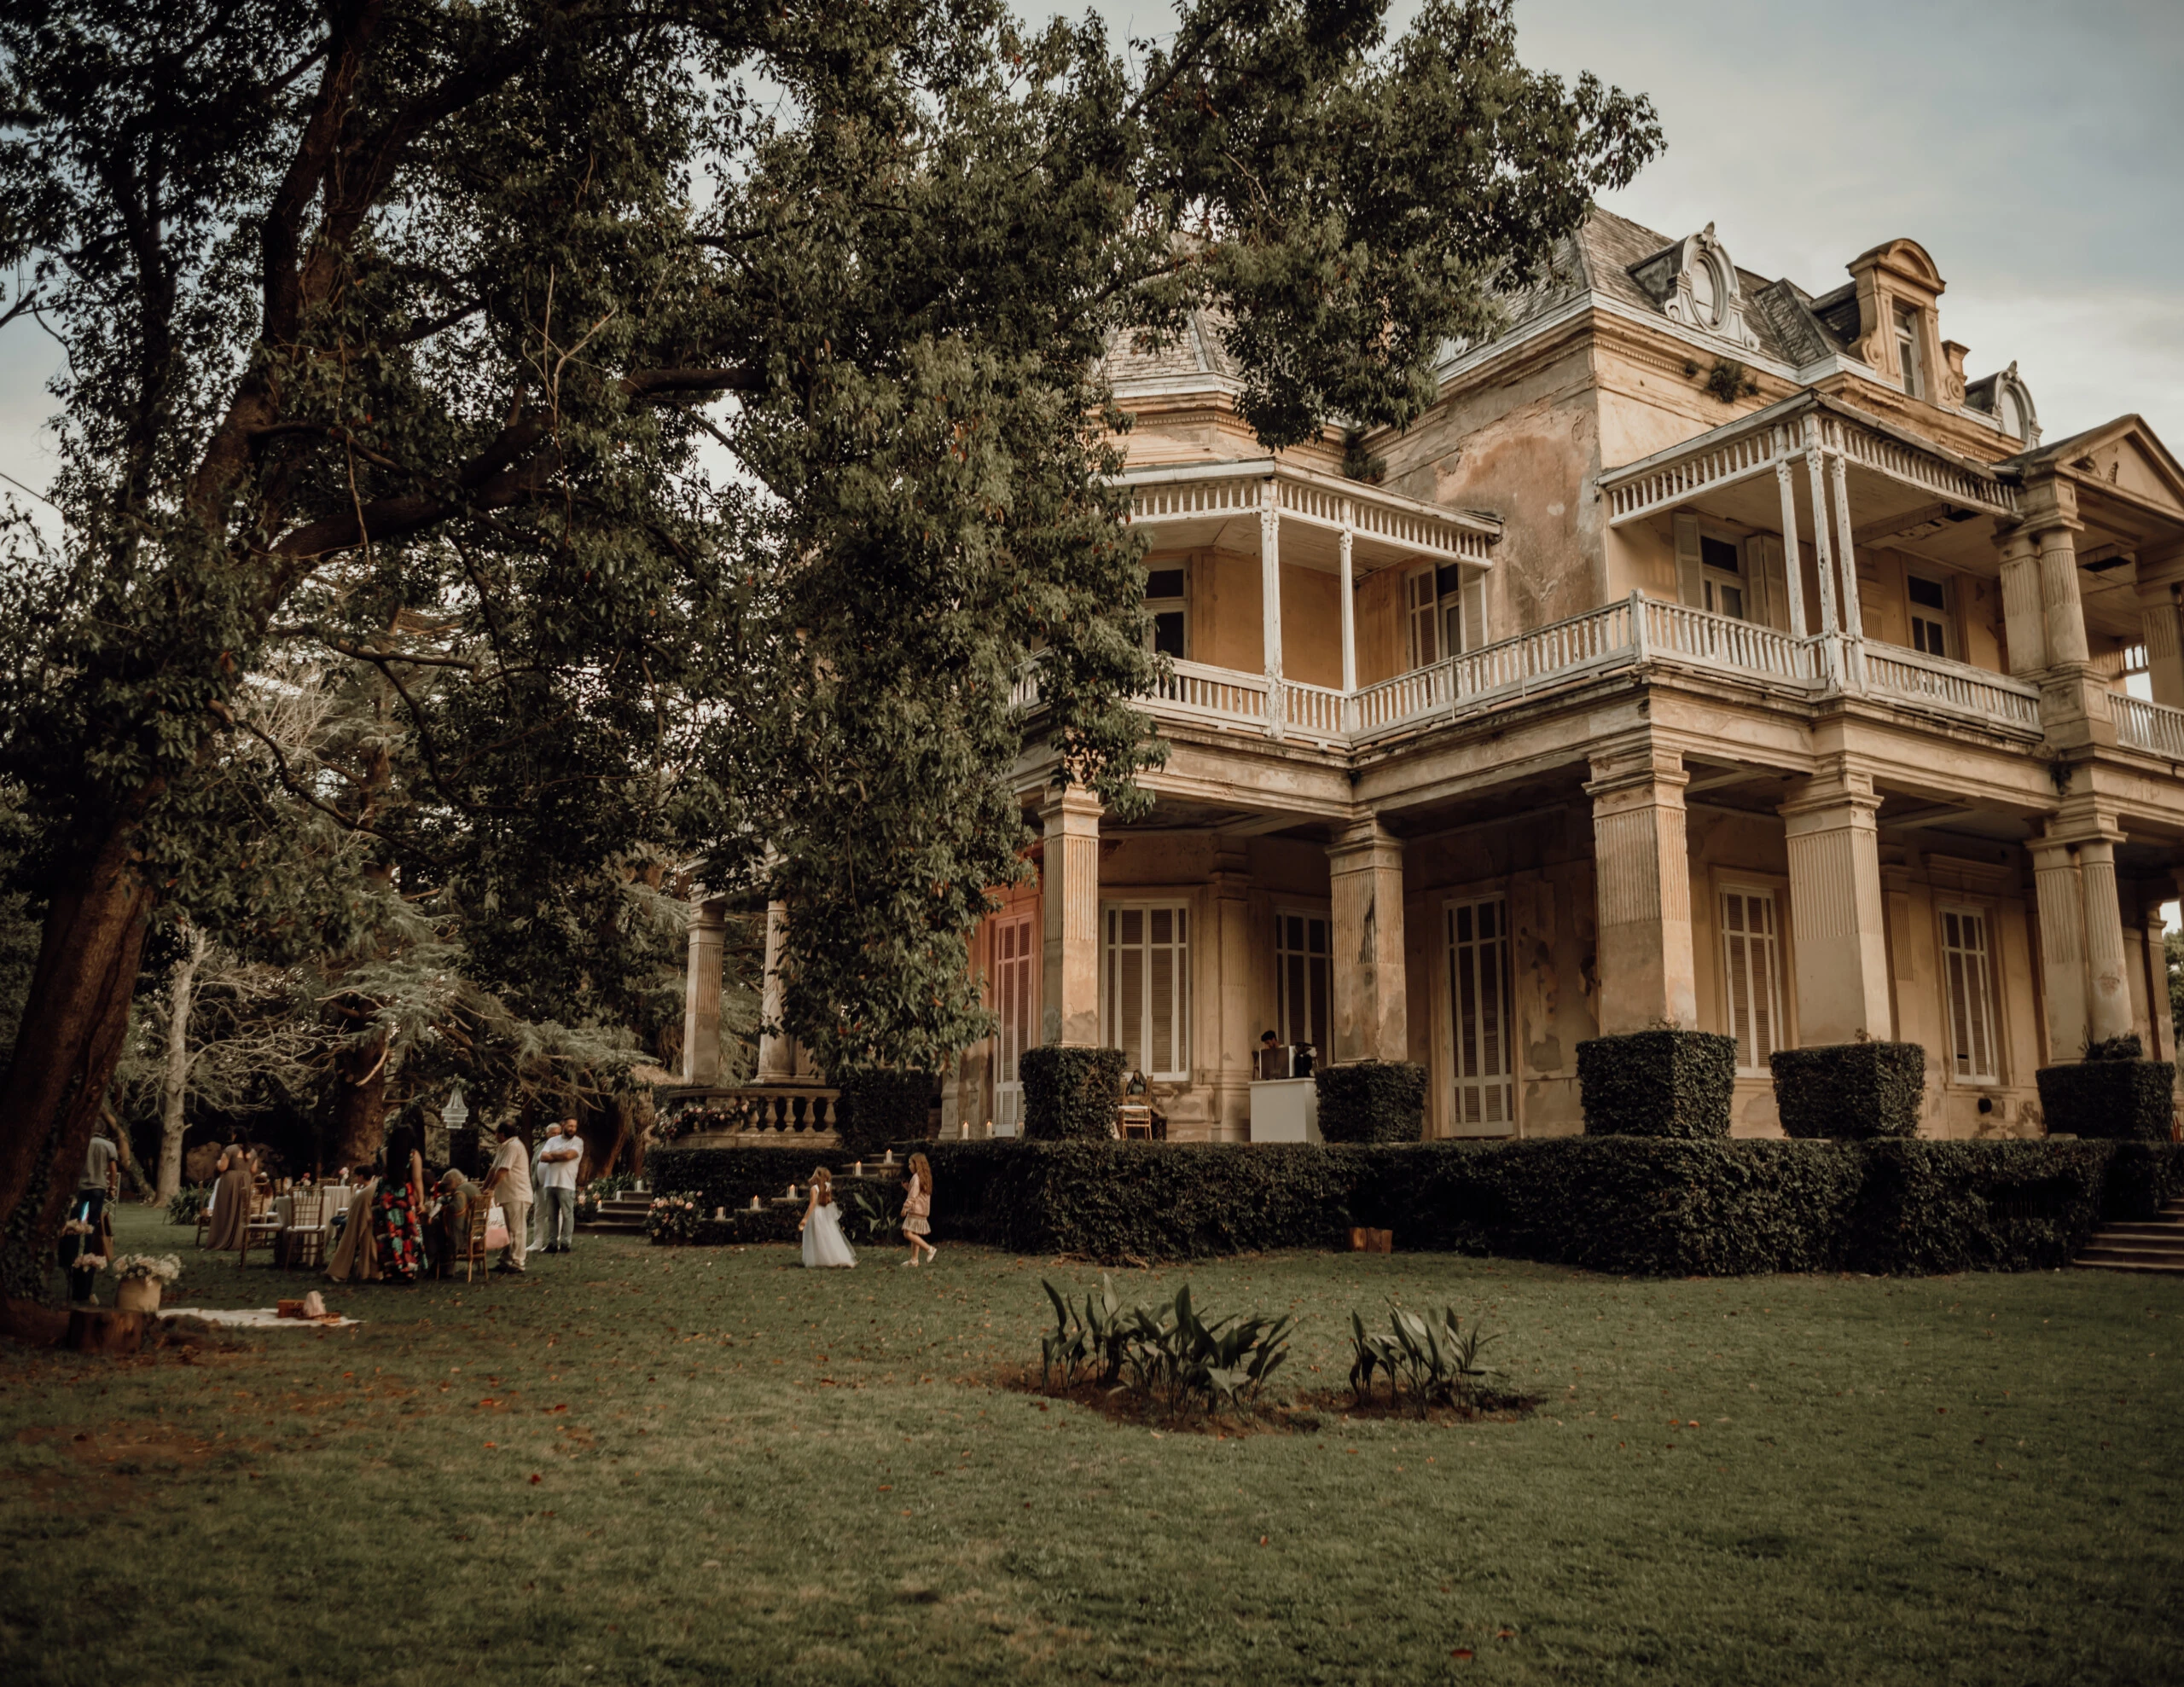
(710, 914)
(1358, 840)
(1072, 805)
(2049, 502)
(2076, 826)
(1645, 766)
(1833, 790)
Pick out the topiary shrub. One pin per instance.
(1069, 1094)
(1658, 1083)
(1372, 1101)
(880, 1107)
(1851, 1092)
(2131, 1100)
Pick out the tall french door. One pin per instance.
(1015, 969)
(1479, 1011)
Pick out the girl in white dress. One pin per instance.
(824, 1244)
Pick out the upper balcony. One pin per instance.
(1808, 550)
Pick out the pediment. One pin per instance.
(2127, 456)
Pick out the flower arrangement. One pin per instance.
(151, 1268)
(674, 1217)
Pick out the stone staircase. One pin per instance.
(620, 1215)
(2143, 1244)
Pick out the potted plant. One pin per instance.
(143, 1278)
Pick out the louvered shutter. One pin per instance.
(1690, 583)
(1475, 632)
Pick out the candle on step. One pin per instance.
(857, 1169)
(720, 1215)
(754, 1203)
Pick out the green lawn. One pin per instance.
(706, 1465)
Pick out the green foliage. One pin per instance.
(2124, 1046)
(186, 1202)
(1427, 1361)
(880, 1108)
(1084, 1345)
(674, 1217)
(1658, 1083)
(1727, 380)
(1853, 1092)
(1626, 1205)
(872, 1211)
(2113, 1096)
(1372, 1101)
(1070, 1093)
(1168, 1354)
(392, 347)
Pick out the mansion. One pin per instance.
(1714, 654)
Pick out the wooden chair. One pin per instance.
(262, 1229)
(473, 1246)
(303, 1242)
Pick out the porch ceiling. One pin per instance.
(1219, 505)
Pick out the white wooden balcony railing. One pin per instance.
(1952, 687)
(2154, 727)
(1637, 630)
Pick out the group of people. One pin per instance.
(519, 1176)
(824, 1244)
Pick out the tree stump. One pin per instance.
(100, 1330)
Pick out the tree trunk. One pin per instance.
(65, 1051)
(622, 1105)
(360, 1103)
(643, 1119)
(174, 1079)
(132, 1181)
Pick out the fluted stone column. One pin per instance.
(1232, 937)
(2164, 657)
(1642, 883)
(1371, 1008)
(1838, 921)
(701, 993)
(2059, 888)
(2059, 590)
(2108, 984)
(2025, 616)
(2161, 1028)
(776, 1052)
(1069, 998)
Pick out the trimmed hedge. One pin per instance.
(1850, 1092)
(1069, 1094)
(1372, 1101)
(1674, 1084)
(880, 1107)
(1626, 1205)
(2127, 1100)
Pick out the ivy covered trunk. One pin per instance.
(360, 1103)
(65, 1051)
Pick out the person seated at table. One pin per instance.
(237, 1179)
(450, 1226)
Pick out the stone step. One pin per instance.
(2159, 1268)
(2098, 1255)
(2149, 1231)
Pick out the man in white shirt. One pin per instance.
(508, 1183)
(560, 1159)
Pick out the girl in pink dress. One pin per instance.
(917, 1211)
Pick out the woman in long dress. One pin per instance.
(397, 1209)
(824, 1244)
(231, 1195)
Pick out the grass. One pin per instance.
(655, 1466)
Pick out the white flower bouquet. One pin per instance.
(155, 1268)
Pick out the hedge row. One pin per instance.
(1635, 1206)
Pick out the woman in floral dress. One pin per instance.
(397, 1209)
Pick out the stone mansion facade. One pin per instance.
(1714, 654)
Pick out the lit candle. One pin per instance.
(754, 1203)
(890, 1160)
(792, 1192)
(720, 1215)
(856, 1169)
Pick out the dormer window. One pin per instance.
(1705, 296)
(1907, 353)
(1695, 283)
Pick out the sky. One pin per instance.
(2035, 150)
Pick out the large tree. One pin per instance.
(707, 393)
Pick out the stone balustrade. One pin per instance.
(764, 1115)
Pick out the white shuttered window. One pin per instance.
(1478, 1006)
(1968, 977)
(1301, 979)
(1145, 1001)
(1752, 963)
